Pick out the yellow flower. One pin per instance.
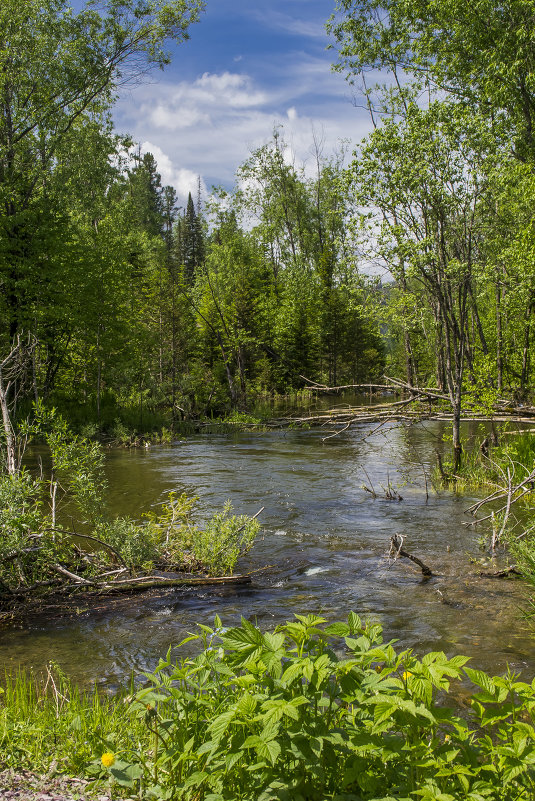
(107, 759)
(406, 675)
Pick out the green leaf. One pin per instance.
(354, 622)
(126, 774)
(269, 750)
(482, 680)
(219, 726)
(196, 779)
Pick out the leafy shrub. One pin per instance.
(77, 463)
(120, 434)
(306, 713)
(136, 544)
(20, 506)
(214, 549)
(309, 713)
(223, 541)
(242, 419)
(20, 519)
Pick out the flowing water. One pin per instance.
(326, 538)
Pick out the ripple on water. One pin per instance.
(326, 538)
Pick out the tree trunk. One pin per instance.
(499, 344)
(11, 461)
(525, 353)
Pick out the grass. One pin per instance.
(47, 722)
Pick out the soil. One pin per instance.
(26, 786)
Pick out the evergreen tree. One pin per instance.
(191, 242)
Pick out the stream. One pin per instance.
(326, 538)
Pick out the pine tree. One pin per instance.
(192, 242)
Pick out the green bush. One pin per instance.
(225, 538)
(21, 510)
(136, 544)
(308, 712)
(214, 549)
(313, 712)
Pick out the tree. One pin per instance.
(58, 71)
(425, 176)
(482, 56)
(191, 238)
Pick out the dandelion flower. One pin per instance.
(107, 759)
(406, 675)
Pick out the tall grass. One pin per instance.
(46, 721)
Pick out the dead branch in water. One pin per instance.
(508, 571)
(136, 584)
(397, 550)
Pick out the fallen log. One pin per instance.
(137, 584)
(144, 583)
(508, 571)
(317, 387)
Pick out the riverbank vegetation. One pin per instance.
(40, 552)
(323, 712)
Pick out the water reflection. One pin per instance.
(326, 538)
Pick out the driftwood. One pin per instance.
(64, 572)
(397, 550)
(136, 584)
(318, 387)
(421, 397)
(508, 571)
(151, 582)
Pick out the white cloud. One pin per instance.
(280, 21)
(182, 179)
(209, 126)
(174, 116)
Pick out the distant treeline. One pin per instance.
(138, 305)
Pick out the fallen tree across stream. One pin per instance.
(139, 583)
(421, 403)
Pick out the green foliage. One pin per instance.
(32, 544)
(214, 549)
(316, 712)
(307, 712)
(21, 518)
(47, 721)
(224, 539)
(137, 545)
(77, 463)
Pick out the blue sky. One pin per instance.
(247, 67)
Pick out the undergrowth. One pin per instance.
(307, 712)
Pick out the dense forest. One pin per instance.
(136, 309)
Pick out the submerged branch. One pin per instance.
(397, 550)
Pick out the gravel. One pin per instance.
(26, 786)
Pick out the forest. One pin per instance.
(407, 257)
(137, 311)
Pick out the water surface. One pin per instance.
(326, 538)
